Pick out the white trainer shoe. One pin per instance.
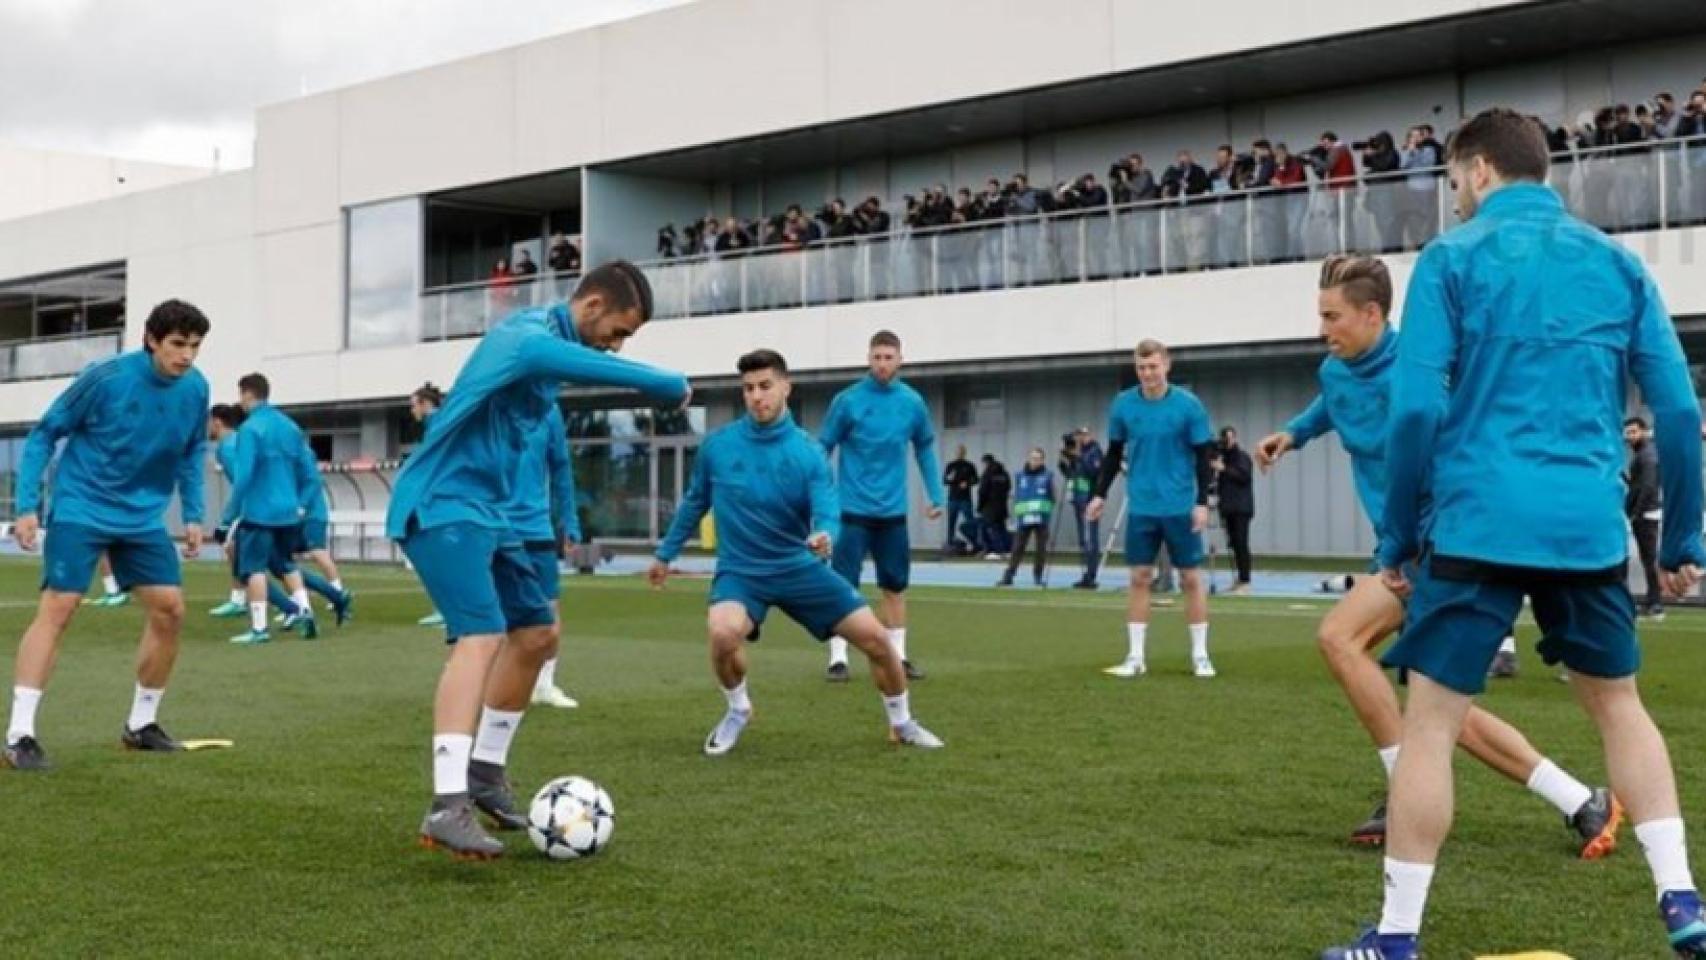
(1203, 667)
(727, 732)
(553, 696)
(1127, 669)
(913, 734)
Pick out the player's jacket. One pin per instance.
(1354, 400)
(873, 424)
(275, 475)
(544, 500)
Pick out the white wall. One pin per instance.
(33, 181)
(629, 210)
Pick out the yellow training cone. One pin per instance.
(1531, 955)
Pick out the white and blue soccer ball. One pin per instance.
(571, 818)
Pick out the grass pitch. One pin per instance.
(1071, 815)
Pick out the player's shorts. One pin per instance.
(480, 584)
(262, 549)
(543, 555)
(814, 596)
(1144, 536)
(70, 553)
(311, 535)
(1461, 611)
(885, 540)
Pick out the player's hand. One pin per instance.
(1395, 581)
(1272, 447)
(1199, 519)
(569, 542)
(26, 530)
(1093, 509)
(821, 544)
(658, 574)
(1677, 583)
(934, 513)
(192, 541)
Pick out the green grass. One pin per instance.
(1071, 815)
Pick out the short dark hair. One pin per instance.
(175, 316)
(885, 338)
(255, 385)
(1511, 143)
(621, 284)
(429, 393)
(762, 359)
(227, 413)
(1636, 422)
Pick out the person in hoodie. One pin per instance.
(1356, 381)
(777, 513)
(449, 514)
(1033, 506)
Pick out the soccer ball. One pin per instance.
(570, 818)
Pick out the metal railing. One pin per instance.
(41, 358)
(468, 309)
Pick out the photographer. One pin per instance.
(993, 489)
(960, 480)
(1418, 218)
(667, 243)
(1183, 180)
(1080, 463)
(1025, 253)
(1237, 502)
(1381, 188)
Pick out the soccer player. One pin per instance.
(1170, 448)
(1521, 328)
(1356, 378)
(873, 422)
(449, 512)
(777, 516)
(313, 540)
(271, 487)
(423, 403)
(545, 479)
(222, 424)
(134, 427)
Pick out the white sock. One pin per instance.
(899, 709)
(450, 762)
(144, 707)
(111, 583)
(737, 698)
(897, 640)
(1667, 854)
(337, 585)
(497, 730)
(1558, 788)
(547, 675)
(258, 616)
(837, 651)
(239, 596)
(1389, 759)
(1135, 634)
(25, 700)
(300, 597)
(1199, 641)
(1406, 896)
(1509, 646)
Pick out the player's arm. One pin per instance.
(1426, 355)
(546, 355)
(62, 418)
(244, 462)
(1313, 422)
(1105, 478)
(929, 465)
(1661, 370)
(836, 423)
(826, 507)
(695, 503)
(1201, 438)
(192, 482)
(562, 472)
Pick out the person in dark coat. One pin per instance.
(1237, 502)
(993, 490)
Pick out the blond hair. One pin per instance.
(1363, 280)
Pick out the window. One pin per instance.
(975, 405)
(384, 273)
(88, 300)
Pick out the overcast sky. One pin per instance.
(173, 80)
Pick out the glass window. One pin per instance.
(384, 273)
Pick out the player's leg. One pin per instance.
(545, 689)
(1185, 547)
(148, 565)
(524, 595)
(111, 595)
(1142, 543)
(455, 564)
(283, 566)
(1358, 623)
(865, 631)
(254, 559)
(1591, 630)
(1593, 815)
(735, 611)
(69, 556)
(891, 552)
(237, 605)
(848, 561)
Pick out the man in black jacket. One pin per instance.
(1237, 502)
(1641, 506)
(960, 480)
(993, 492)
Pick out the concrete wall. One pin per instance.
(33, 181)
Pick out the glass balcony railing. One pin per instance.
(467, 309)
(1655, 186)
(63, 356)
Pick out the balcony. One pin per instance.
(43, 358)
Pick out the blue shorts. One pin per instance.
(885, 540)
(311, 535)
(814, 597)
(1456, 622)
(265, 550)
(478, 583)
(544, 558)
(1144, 536)
(70, 553)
